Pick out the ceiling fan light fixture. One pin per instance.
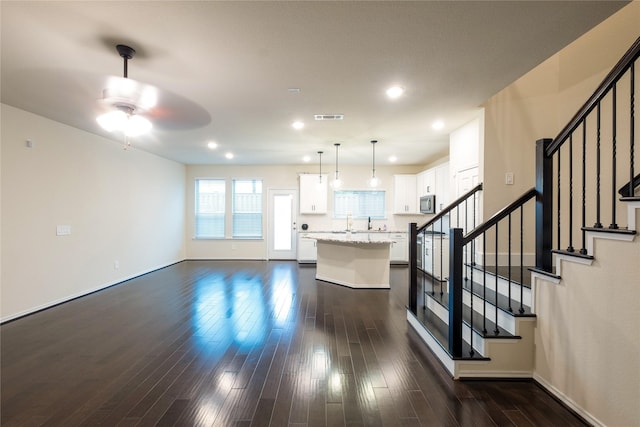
(125, 97)
(113, 120)
(137, 125)
(127, 122)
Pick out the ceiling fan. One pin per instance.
(127, 101)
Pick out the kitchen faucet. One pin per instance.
(369, 224)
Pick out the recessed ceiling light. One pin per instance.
(393, 158)
(395, 92)
(229, 155)
(297, 125)
(438, 124)
(306, 159)
(212, 145)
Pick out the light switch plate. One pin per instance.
(63, 230)
(508, 178)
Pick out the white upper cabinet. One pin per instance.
(313, 194)
(426, 182)
(442, 192)
(405, 200)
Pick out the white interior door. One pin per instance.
(282, 224)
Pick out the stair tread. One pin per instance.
(621, 230)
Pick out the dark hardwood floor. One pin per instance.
(239, 343)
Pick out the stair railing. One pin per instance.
(503, 242)
(587, 161)
(464, 210)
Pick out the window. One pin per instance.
(361, 204)
(210, 196)
(247, 208)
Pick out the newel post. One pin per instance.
(455, 291)
(544, 205)
(413, 267)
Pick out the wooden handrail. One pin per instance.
(500, 215)
(624, 190)
(616, 73)
(451, 206)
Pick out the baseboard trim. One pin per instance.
(78, 295)
(567, 402)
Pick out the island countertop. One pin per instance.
(356, 238)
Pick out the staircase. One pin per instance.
(480, 319)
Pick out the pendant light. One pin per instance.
(320, 173)
(337, 182)
(374, 181)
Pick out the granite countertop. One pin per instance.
(349, 238)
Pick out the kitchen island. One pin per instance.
(356, 260)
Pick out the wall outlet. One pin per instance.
(116, 265)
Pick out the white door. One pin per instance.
(282, 235)
(466, 180)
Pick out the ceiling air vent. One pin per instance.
(329, 116)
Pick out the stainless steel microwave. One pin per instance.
(428, 204)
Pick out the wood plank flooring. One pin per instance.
(244, 343)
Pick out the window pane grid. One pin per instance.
(247, 208)
(360, 204)
(210, 205)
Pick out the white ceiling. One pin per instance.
(224, 69)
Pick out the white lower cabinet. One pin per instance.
(436, 261)
(307, 250)
(399, 251)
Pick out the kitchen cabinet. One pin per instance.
(426, 183)
(399, 250)
(307, 250)
(405, 200)
(313, 194)
(441, 176)
(436, 261)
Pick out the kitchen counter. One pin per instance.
(356, 260)
(355, 238)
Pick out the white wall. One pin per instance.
(124, 206)
(286, 177)
(587, 336)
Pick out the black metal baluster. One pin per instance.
(521, 309)
(509, 265)
(632, 83)
(471, 352)
(466, 252)
(496, 330)
(559, 200)
(441, 277)
(433, 261)
(583, 249)
(614, 225)
(570, 248)
(598, 224)
(484, 283)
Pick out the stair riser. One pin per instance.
(505, 320)
(503, 287)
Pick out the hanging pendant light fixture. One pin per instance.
(320, 173)
(337, 182)
(374, 181)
